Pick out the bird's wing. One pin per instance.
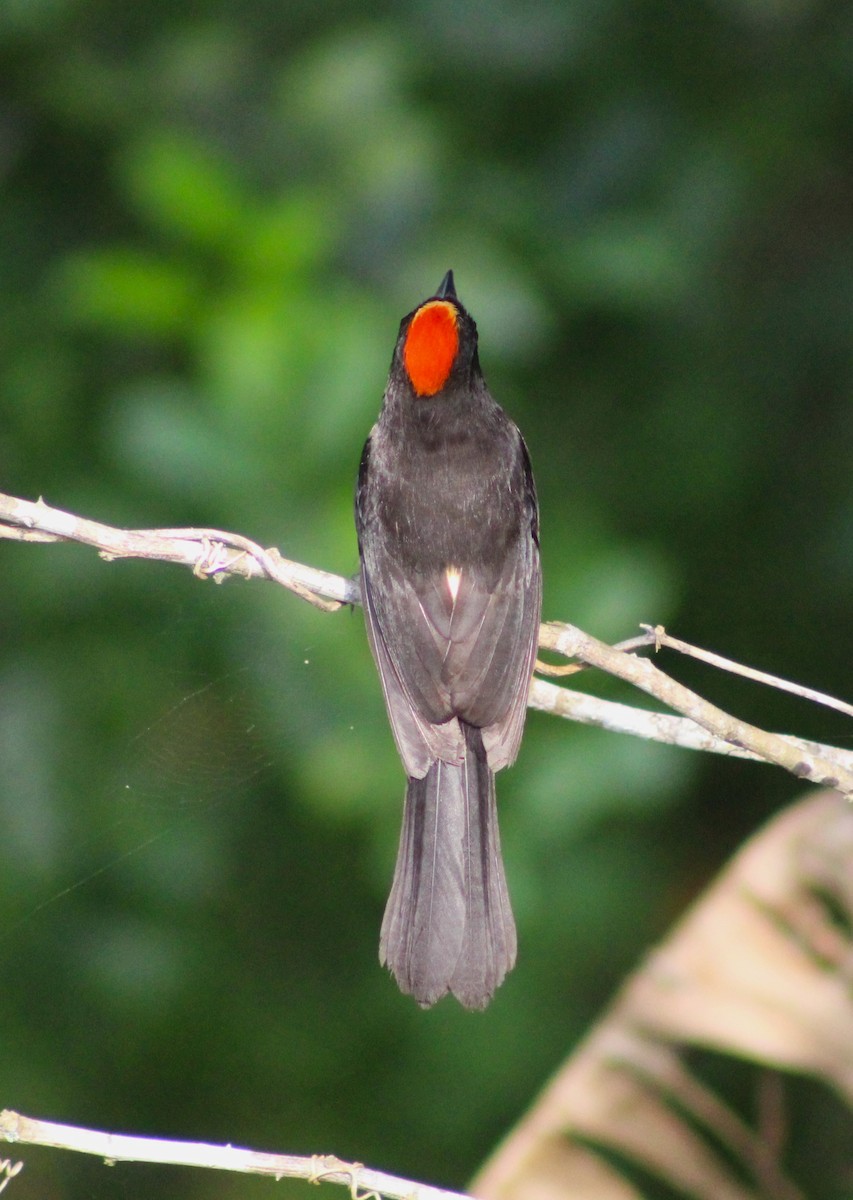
(455, 643)
(420, 742)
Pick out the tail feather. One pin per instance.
(448, 925)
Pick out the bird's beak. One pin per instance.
(447, 288)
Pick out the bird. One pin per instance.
(448, 535)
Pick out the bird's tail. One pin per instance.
(448, 926)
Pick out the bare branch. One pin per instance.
(213, 553)
(639, 642)
(662, 638)
(574, 643)
(361, 1181)
(659, 727)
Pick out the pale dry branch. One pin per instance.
(210, 553)
(661, 638)
(574, 643)
(215, 554)
(639, 642)
(362, 1182)
(661, 727)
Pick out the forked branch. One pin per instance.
(216, 554)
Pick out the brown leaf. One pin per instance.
(761, 967)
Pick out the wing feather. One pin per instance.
(468, 658)
(419, 742)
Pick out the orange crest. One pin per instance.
(431, 345)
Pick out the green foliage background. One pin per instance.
(212, 217)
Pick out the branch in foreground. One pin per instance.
(213, 553)
(361, 1181)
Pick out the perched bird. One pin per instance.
(448, 534)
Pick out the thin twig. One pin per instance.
(361, 1181)
(662, 638)
(638, 642)
(574, 643)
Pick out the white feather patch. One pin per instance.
(453, 576)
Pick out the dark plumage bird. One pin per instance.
(450, 580)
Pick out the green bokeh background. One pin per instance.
(212, 217)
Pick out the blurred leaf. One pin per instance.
(127, 291)
(183, 189)
(624, 263)
(760, 969)
(292, 233)
(31, 16)
(159, 431)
